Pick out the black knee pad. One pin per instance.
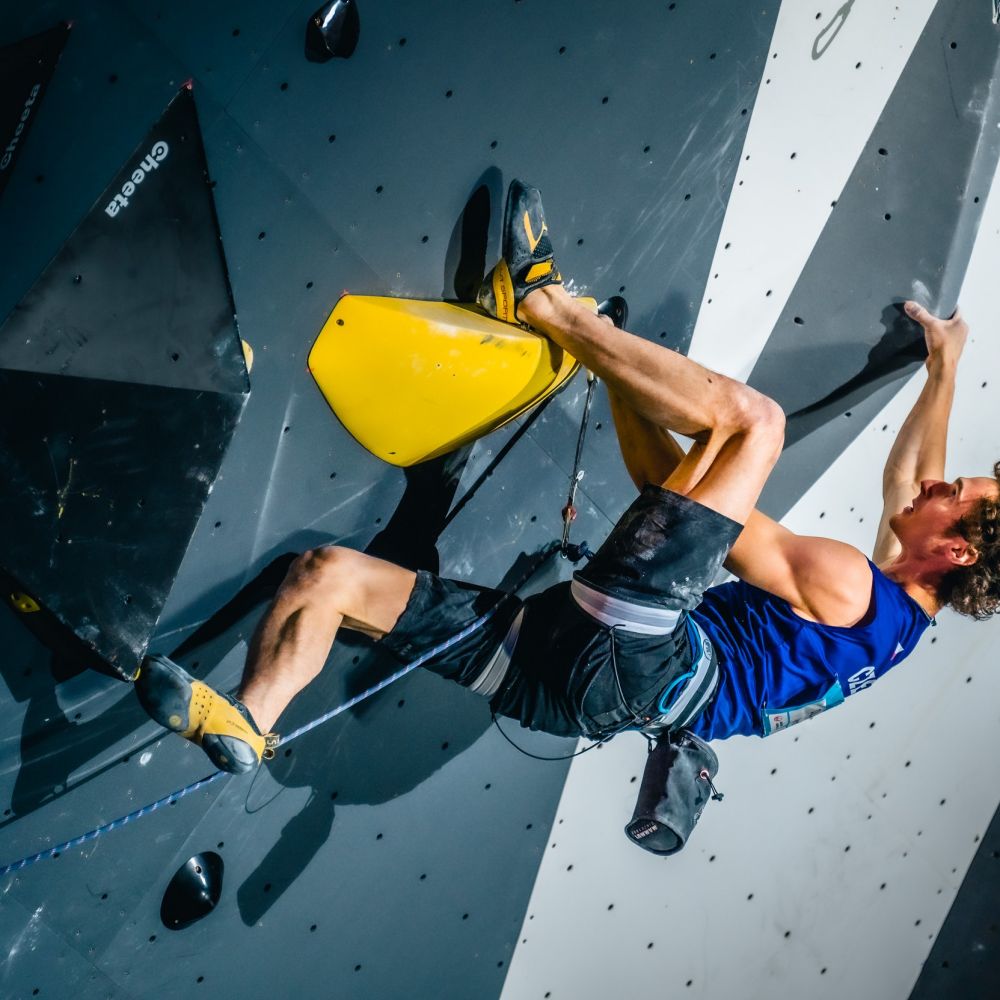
(676, 786)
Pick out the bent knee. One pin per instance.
(756, 415)
(325, 567)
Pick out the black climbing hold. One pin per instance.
(616, 309)
(193, 891)
(333, 31)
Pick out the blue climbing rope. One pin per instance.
(169, 800)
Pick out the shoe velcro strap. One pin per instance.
(538, 271)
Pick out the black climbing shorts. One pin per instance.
(596, 655)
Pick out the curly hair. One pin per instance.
(974, 590)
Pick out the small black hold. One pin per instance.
(333, 31)
(193, 892)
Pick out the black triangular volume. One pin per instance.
(26, 67)
(104, 483)
(139, 292)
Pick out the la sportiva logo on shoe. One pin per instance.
(22, 124)
(147, 165)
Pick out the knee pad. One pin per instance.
(676, 786)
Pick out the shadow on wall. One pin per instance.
(899, 352)
(465, 259)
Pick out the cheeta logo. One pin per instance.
(149, 163)
(22, 124)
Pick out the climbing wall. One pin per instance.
(690, 155)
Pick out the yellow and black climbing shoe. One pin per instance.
(219, 724)
(527, 262)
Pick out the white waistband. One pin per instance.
(488, 682)
(613, 611)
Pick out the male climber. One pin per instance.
(638, 639)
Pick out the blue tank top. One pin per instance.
(776, 668)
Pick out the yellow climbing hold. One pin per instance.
(412, 379)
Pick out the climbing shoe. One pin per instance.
(527, 260)
(219, 724)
